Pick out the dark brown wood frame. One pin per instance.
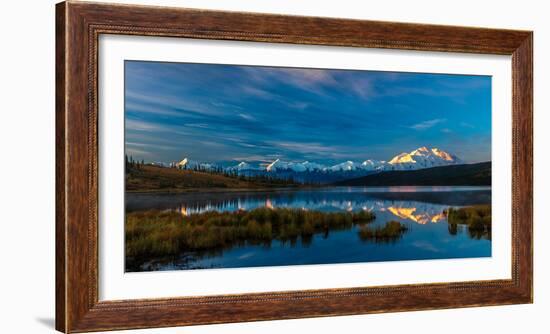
(78, 26)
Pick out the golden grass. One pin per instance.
(391, 231)
(167, 233)
(476, 217)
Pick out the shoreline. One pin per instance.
(215, 190)
(276, 189)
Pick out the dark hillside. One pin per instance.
(148, 178)
(456, 175)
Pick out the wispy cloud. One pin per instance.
(302, 147)
(162, 103)
(427, 124)
(155, 109)
(311, 80)
(212, 112)
(363, 88)
(257, 92)
(246, 117)
(457, 89)
(316, 150)
(251, 158)
(314, 81)
(144, 126)
(149, 145)
(264, 94)
(225, 105)
(198, 125)
(138, 152)
(467, 125)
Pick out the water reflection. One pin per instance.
(420, 213)
(326, 199)
(430, 215)
(422, 210)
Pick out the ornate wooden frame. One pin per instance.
(78, 25)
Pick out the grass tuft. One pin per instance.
(391, 231)
(476, 217)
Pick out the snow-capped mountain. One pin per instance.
(373, 165)
(345, 166)
(190, 164)
(242, 166)
(182, 163)
(422, 157)
(305, 166)
(312, 166)
(279, 165)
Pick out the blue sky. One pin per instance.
(229, 113)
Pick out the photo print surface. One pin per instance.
(230, 166)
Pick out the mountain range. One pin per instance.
(420, 158)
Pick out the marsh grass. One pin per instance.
(477, 218)
(391, 231)
(166, 233)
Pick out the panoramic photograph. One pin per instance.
(235, 166)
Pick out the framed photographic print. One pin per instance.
(221, 167)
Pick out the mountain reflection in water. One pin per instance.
(420, 213)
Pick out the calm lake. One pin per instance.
(421, 209)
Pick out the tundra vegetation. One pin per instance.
(477, 218)
(149, 178)
(389, 232)
(168, 233)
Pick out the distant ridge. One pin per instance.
(422, 157)
(478, 174)
(329, 172)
